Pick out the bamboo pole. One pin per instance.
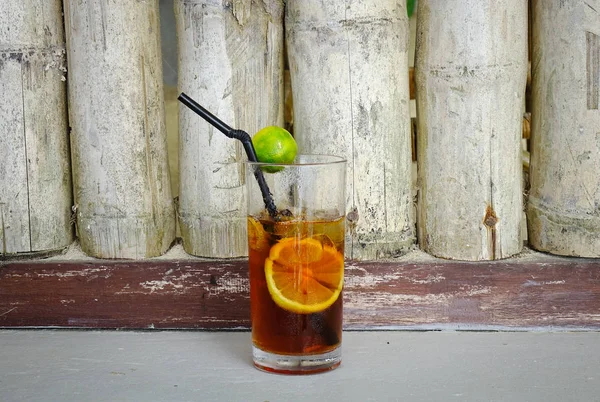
(471, 74)
(231, 62)
(564, 199)
(35, 181)
(118, 138)
(349, 70)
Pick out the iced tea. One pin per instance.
(296, 215)
(296, 280)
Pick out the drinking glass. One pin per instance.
(296, 261)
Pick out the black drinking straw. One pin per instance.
(246, 141)
(316, 321)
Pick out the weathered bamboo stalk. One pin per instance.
(231, 62)
(118, 138)
(564, 200)
(35, 179)
(471, 73)
(349, 69)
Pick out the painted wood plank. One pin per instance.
(520, 293)
(349, 71)
(14, 205)
(35, 177)
(470, 104)
(119, 147)
(376, 366)
(564, 200)
(231, 62)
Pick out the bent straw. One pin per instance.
(316, 321)
(241, 136)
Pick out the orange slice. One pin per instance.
(304, 276)
(257, 237)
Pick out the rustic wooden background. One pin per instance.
(533, 292)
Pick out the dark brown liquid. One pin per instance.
(275, 329)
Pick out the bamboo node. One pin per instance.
(490, 219)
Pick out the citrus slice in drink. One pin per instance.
(257, 237)
(304, 276)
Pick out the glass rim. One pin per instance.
(327, 159)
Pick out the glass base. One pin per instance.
(298, 365)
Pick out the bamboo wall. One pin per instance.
(460, 193)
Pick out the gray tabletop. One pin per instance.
(377, 366)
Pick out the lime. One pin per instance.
(274, 145)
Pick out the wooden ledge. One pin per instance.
(534, 291)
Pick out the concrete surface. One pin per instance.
(44, 365)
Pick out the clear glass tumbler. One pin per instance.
(296, 259)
